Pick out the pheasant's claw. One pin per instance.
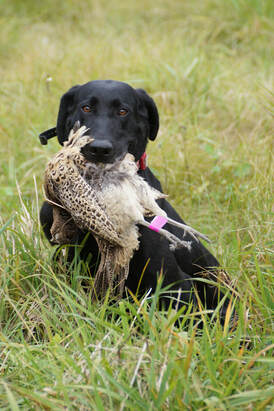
(176, 242)
(180, 244)
(192, 235)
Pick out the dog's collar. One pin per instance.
(142, 163)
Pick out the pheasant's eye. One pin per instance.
(122, 112)
(86, 108)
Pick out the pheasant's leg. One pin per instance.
(175, 242)
(194, 233)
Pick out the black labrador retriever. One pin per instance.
(122, 119)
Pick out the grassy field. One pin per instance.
(209, 66)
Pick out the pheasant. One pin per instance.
(109, 200)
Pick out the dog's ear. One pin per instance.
(66, 104)
(152, 112)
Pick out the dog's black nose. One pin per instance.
(98, 150)
(101, 148)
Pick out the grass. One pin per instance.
(209, 67)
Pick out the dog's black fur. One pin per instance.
(122, 119)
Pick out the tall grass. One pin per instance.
(209, 67)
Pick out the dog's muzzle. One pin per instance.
(99, 151)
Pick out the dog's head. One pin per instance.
(120, 118)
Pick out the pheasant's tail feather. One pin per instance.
(104, 275)
(111, 274)
(121, 279)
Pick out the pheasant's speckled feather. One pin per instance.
(65, 185)
(107, 199)
(89, 196)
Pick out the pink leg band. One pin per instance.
(157, 223)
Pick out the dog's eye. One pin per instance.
(122, 112)
(86, 108)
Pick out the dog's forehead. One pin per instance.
(108, 91)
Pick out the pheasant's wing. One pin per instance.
(79, 198)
